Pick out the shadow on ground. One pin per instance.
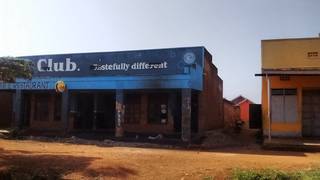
(246, 149)
(223, 141)
(15, 165)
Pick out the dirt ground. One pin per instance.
(91, 161)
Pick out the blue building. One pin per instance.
(168, 91)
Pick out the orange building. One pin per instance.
(291, 87)
(243, 103)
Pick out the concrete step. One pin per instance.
(291, 144)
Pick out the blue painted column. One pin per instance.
(65, 110)
(119, 113)
(186, 115)
(18, 109)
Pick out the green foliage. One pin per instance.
(208, 178)
(312, 174)
(12, 68)
(269, 174)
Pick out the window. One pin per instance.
(57, 106)
(157, 108)
(41, 111)
(132, 113)
(284, 105)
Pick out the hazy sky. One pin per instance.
(230, 29)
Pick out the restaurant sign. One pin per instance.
(26, 85)
(145, 62)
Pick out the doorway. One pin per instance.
(94, 111)
(84, 116)
(311, 113)
(6, 109)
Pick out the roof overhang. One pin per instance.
(290, 72)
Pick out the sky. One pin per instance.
(231, 30)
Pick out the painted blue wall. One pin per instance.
(163, 69)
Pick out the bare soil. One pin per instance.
(74, 161)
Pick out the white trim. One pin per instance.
(245, 99)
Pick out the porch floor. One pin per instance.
(293, 144)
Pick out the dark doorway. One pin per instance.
(84, 117)
(194, 112)
(255, 116)
(177, 113)
(6, 109)
(26, 109)
(105, 112)
(311, 113)
(93, 111)
(133, 109)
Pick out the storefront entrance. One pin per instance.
(311, 113)
(93, 111)
(6, 109)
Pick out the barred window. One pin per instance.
(41, 108)
(157, 108)
(132, 113)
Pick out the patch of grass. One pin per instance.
(270, 174)
(208, 178)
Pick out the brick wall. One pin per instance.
(231, 114)
(211, 98)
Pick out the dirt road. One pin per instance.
(89, 161)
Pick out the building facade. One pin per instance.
(231, 114)
(243, 104)
(291, 87)
(147, 91)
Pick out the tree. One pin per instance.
(12, 68)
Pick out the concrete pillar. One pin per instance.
(18, 109)
(65, 109)
(186, 115)
(120, 109)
